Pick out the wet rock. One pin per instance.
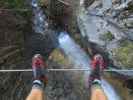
(129, 85)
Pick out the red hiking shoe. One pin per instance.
(39, 69)
(98, 66)
(98, 62)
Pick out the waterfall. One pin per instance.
(109, 90)
(75, 54)
(80, 60)
(39, 20)
(81, 2)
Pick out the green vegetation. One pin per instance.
(107, 36)
(124, 54)
(18, 4)
(130, 7)
(12, 3)
(58, 57)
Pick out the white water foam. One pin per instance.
(39, 19)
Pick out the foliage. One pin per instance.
(107, 36)
(124, 54)
(130, 7)
(13, 3)
(58, 57)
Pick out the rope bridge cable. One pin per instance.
(64, 2)
(60, 70)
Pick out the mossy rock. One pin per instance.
(108, 36)
(124, 54)
(58, 57)
(43, 2)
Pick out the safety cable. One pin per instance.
(64, 2)
(75, 69)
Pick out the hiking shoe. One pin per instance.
(98, 62)
(98, 66)
(39, 69)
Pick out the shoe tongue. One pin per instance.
(38, 62)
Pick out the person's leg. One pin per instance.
(37, 92)
(97, 92)
(40, 80)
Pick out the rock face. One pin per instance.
(11, 52)
(9, 25)
(108, 28)
(65, 85)
(64, 15)
(11, 38)
(13, 27)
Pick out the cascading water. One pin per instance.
(109, 90)
(39, 20)
(42, 36)
(80, 59)
(74, 52)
